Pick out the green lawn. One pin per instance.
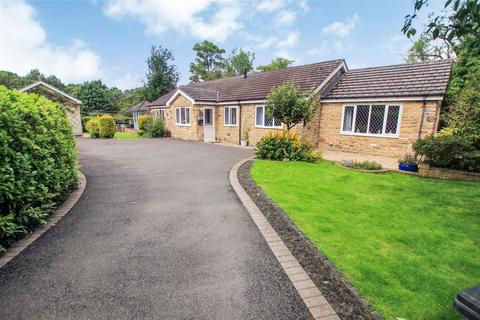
(126, 135)
(407, 243)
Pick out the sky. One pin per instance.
(110, 40)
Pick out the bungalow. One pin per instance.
(377, 111)
(137, 110)
(69, 103)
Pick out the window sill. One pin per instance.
(370, 135)
(263, 127)
(230, 125)
(183, 125)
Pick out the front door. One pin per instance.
(208, 124)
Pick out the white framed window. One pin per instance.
(159, 113)
(182, 116)
(374, 120)
(230, 116)
(262, 121)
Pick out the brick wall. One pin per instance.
(331, 139)
(225, 133)
(192, 132)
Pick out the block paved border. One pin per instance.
(58, 214)
(308, 291)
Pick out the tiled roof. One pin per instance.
(141, 106)
(404, 80)
(257, 85)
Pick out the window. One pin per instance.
(230, 116)
(262, 121)
(182, 116)
(371, 120)
(159, 113)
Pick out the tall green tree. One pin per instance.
(12, 80)
(162, 75)
(209, 62)
(241, 62)
(95, 97)
(276, 64)
(287, 104)
(426, 49)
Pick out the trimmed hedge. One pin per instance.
(38, 161)
(101, 127)
(285, 146)
(145, 122)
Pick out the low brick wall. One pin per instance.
(130, 130)
(425, 170)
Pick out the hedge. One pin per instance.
(38, 161)
(285, 146)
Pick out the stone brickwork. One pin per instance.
(330, 137)
(248, 124)
(190, 132)
(425, 170)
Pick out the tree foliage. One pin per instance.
(162, 75)
(209, 62)
(276, 64)
(95, 97)
(427, 49)
(287, 104)
(241, 62)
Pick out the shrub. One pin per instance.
(101, 127)
(410, 159)
(93, 128)
(145, 122)
(106, 126)
(156, 130)
(285, 146)
(449, 151)
(362, 165)
(38, 161)
(85, 119)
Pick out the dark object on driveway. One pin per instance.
(468, 303)
(408, 167)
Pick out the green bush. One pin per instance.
(106, 126)
(85, 119)
(156, 130)
(362, 165)
(93, 128)
(38, 161)
(145, 122)
(285, 146)
(101, 127)
(449, 151)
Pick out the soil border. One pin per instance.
(339, 292)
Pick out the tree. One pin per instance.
(426, 49)
(286, 104)
(162, 75)
(463, 21)
(12, 80)
(95, 97)
(209, 62)
(276, 64)
(241, 63)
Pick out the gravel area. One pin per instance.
(345, 299)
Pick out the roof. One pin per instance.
(52, 88)
(139, 107)
(404, 80)
(257, 85)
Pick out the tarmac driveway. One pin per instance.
(158, 234)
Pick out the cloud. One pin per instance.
(323, 50)
(271, 5)
(25, 47)
(285, 18)
(342, 29)
(397, 45)
(181, 16)
(290, 40)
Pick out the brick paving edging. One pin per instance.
(58, 214)
(308, 291)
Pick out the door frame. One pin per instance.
(213, 123)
